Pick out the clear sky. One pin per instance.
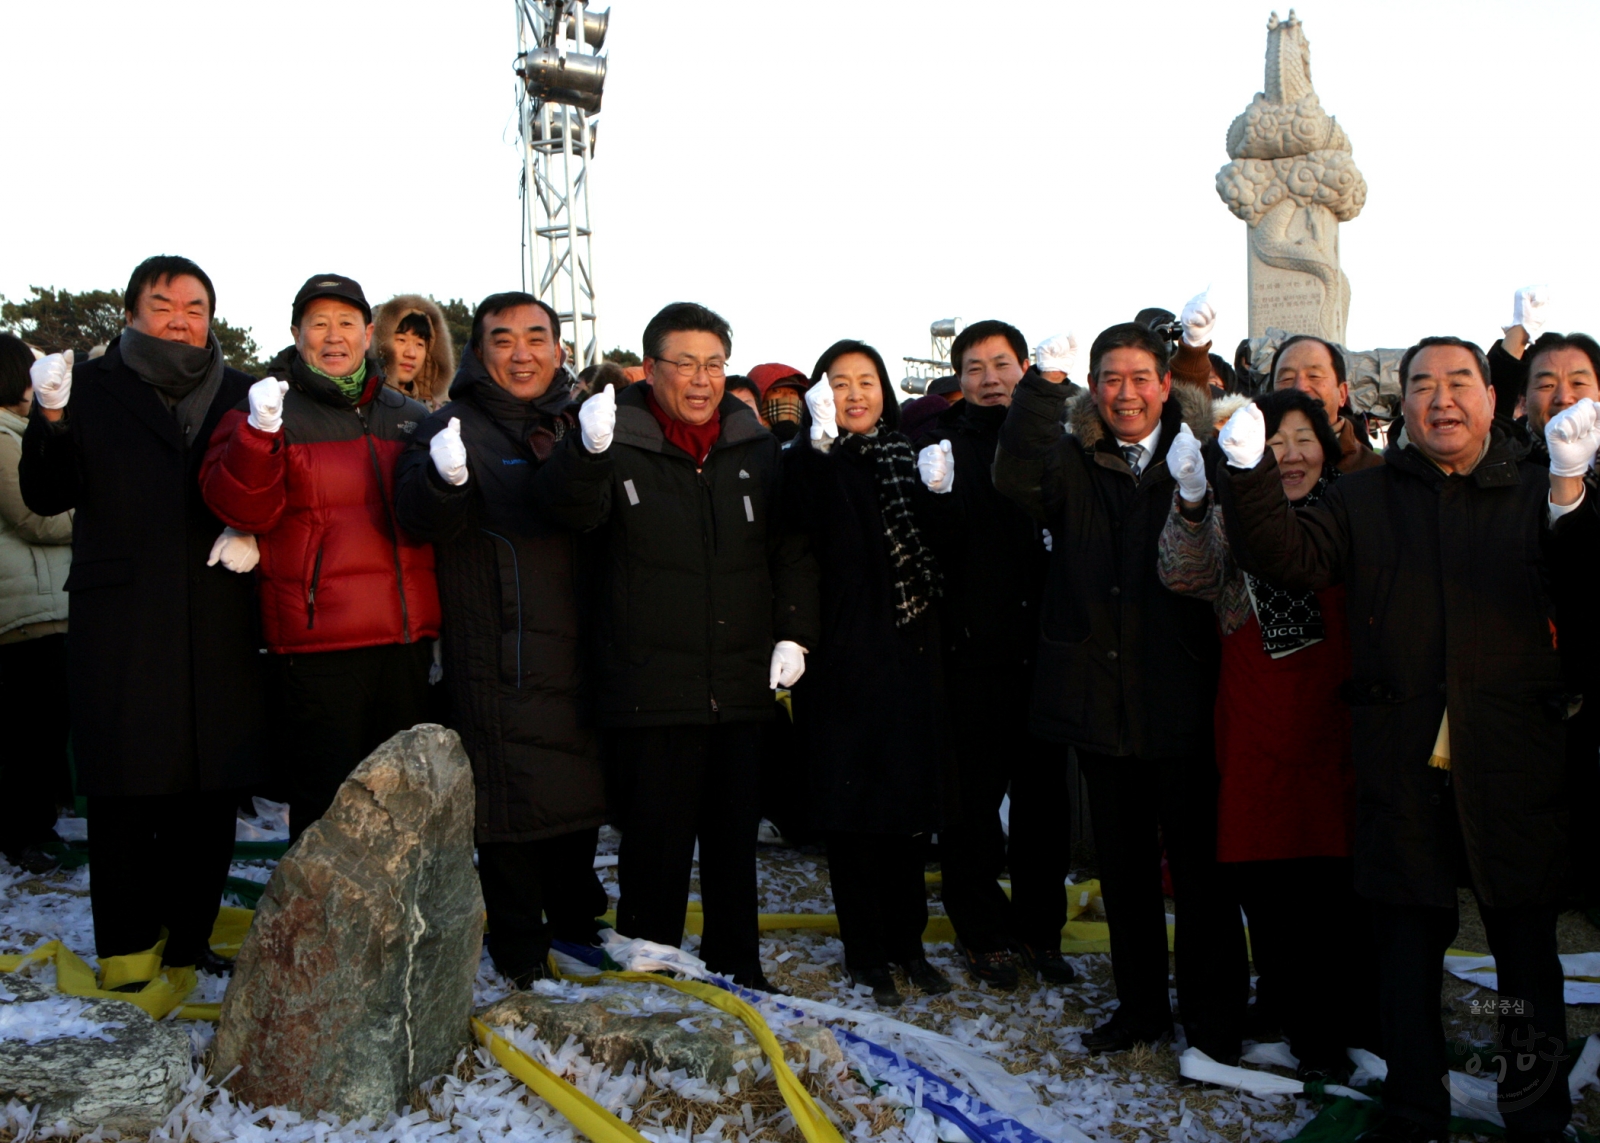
(812, 171)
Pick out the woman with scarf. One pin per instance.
(1286, 805)
(508, 587)
(868, 707)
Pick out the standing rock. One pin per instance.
(355, 983)
(94, 1063)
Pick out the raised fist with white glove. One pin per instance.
(266, 404)
(1199, 320)
(824, 414)
(1057, 354)
(51, 377)
(788, 664)
(597, 420)
(235, 550)
(1244, 437)
(1187, 465)
(1573, 437)
(937, 467)
(448, 454)
(1530, 310)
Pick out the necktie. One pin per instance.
(1131, 454)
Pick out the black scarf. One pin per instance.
(185, 376)
(914, 574)
(1290, 620)
(538, 423)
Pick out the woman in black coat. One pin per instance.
(509, 589)
(867, 707)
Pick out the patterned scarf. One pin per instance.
(1290, 620)
(916, 579)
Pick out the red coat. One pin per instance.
(1283, 745)
(336, 571)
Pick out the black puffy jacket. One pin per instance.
(698, 577)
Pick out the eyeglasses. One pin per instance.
(689, 367)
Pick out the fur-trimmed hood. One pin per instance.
(1194, 406)
(434, 379)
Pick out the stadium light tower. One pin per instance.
(563, 75)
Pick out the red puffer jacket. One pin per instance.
(336, 571)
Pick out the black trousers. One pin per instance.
(1528, 1021)
(974, 851)
(675, 784)
(159, 862)
(35, 771)
(339, 706)
(1137, 805)
(1304, 903)
(880, 897)
(536, 891)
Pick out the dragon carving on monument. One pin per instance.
(1293, 178)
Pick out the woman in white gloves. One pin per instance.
(1285, 808)
(868, 706)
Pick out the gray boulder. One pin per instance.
(127, 1082)
(355, 983)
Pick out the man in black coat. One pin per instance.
(164, 662)
(1457, 557)
(1127, 674)
(509, 587)
(698, 581)
(993, 557)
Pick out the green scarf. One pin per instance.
(350, 386)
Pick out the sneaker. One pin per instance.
(1047, 963)
(997, 969)
(881, 981)
(921, 974)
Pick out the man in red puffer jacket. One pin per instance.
(349, 605)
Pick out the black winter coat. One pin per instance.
(869, 708)
(698, 577)
(509, 584)
(1449, 587)
(994, 561)
(164, 655)
(1126, 667)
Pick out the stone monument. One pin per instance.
(1292, 180)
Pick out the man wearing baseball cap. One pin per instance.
(349, 604)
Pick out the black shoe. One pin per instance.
(1116, 1036)
(1325, 1073)
(33, 859)
(997, 969)
(756, 982)
(1047, 963)
(923, 975)
(1399, 1129)
(881, 981)
(523, 973)
(214, 964)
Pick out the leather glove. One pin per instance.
(1199, 320)
(266, 404)
(51, 377)
(449, 455)
(937, 467)
(1244, 437)
(1573, 436)
(597, 420)
(1530, 310)
(788, 664)
(235, 550)
(824, 415)
(1187, 465)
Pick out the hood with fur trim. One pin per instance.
(433, 380)
(1084, 423)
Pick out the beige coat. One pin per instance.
(433, 381)
(35, 551)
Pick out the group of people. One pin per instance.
(1327, 685)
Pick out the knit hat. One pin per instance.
(773, 373)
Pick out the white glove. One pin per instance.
(788, 664)
(1529, 309)
(1049, 540)
(1187, 465)
(1199, 319)
(937, 467)
(1244, 437)
(824, 415)
(51, 377)
(449, 454)
(1573, 436)
(236, 550)
(266, 404)
(1057, 354)
(597, 420)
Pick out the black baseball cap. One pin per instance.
(329, 286)
(944, 386)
